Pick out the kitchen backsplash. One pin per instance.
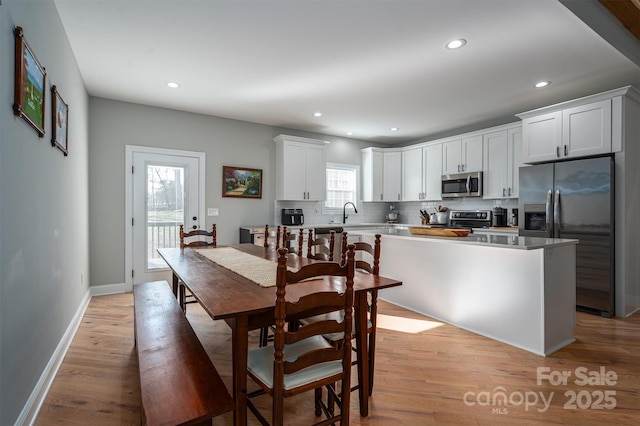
(410, 211)
(375, 212)
(314, 214)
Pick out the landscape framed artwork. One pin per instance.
(29, 93)
(59, 122)
(241, 182)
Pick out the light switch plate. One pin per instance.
(212, 211)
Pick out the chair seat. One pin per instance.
(260, 363)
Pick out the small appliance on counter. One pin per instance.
(514, 217)
(292, 217)
(499, 218)
(392, 216)
(470, 219)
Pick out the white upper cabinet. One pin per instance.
(578, 131)
(422, 173)
(381, 175)
(586, 129)
(412, 175)
(432, 160)
(372, 174)
(301, 168)
(392, 176)
(501, 163)
(463, 155)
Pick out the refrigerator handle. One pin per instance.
(547, 211)
(556, 215)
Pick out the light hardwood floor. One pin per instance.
(426, 373)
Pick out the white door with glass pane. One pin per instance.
(166, 193)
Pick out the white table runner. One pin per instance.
(260, 271)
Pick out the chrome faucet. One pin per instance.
(344, 211)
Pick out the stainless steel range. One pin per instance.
(470, 218)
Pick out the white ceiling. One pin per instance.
(366, 65)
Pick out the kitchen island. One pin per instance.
(517, 290)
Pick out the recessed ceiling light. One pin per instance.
(542, 84)
(349, 133)
(173, 84)
(456, 44)
(394, 129)
(317, 114)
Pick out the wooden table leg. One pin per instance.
(174, 285)
(240, 344)
(360, 307)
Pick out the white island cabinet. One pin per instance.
(517, 290)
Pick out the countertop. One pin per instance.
(479, 239)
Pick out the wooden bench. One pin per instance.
(178, 383)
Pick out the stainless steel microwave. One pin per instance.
(462, 185)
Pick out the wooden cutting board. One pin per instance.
(440, 232)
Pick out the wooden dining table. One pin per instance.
(245, 305)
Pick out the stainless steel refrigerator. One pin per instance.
(575, 199)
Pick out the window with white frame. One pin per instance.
(342, 185)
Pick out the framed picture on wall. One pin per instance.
(59, 122)
(29, 94)
(241, 182)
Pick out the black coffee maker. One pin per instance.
(499, 217)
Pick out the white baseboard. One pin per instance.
(34, 403)
(103, 290)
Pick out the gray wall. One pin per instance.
(44, 231)
(114, 124)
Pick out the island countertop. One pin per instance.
(480, 239)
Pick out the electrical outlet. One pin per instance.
(213, 211)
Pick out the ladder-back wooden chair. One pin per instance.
(368, 261)
(301, 360)
(198, 242)
(321, 248)
(293, 242)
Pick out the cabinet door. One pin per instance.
(496, 158)
(315, 173)
(514, 137)
(471, 154)
(371, 175)
(587, 129)
(294, 154)
(392, 176)
(432, 172)
(541, 137)
(377, 177)
(451, 154)
(412, 189)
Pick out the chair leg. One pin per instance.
(264, 336)
(372, 356)
(331, 401)
(318, 400)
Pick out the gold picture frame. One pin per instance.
(29, 84)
